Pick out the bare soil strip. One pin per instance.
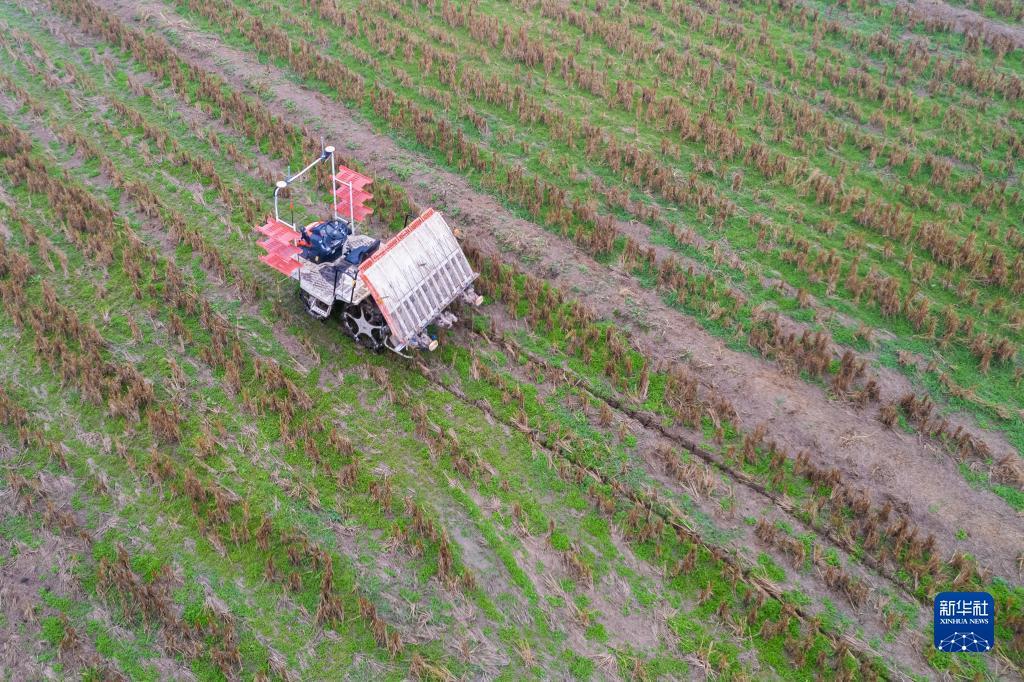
(964, 20)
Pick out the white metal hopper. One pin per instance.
(416, 275)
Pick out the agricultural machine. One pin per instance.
(388, 296)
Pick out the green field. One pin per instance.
(745, 393)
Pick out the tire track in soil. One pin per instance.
(677, 435)
(896, 467)
(752, 497)
(966, 20)
(678, 523)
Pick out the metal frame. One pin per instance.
(351, 204)
(325, 153)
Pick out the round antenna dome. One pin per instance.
(329, 150)
(281, 184)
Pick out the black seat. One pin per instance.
(360, 253)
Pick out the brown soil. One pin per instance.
(892, 384)
(964, 20)
(21, 579)
(27, 569)
(392, 569)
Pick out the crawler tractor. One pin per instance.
(387, 296)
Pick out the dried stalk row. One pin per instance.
(721, 140)
(214, 635)
(892, 541)
(874, 212)
(913, 56)
(218, 505)
(29, 490)
(269, 377)
(852, 588)
(921, 411)
(595, 233)
(73, 348)
(32, 496)
(651, 521)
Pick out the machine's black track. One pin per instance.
(308, 303)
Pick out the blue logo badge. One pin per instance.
(965, 621)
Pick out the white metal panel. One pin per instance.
(322, 287)
(417, 274)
